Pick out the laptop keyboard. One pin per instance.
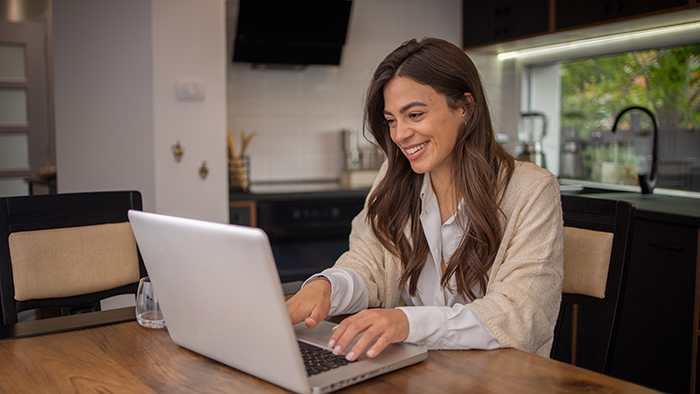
(319, 360)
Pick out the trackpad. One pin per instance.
(320, 335)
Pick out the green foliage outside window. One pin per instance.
(667, 81)
(595, 90)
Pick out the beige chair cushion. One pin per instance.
(586, 261)
(73, 261)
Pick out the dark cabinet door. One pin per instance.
(487, 22)
(654, 346)
(242, 212)
(574, 13)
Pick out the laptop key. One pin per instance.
(319, 360)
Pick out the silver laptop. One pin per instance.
(221, 296)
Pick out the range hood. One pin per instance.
(291, 33)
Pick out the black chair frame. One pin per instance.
(616, 217)
(42, 212)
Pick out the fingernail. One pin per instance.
(371, 353)
(334, 327)
(310, 320)
(331, 343)
(350, 356)
(336, 350)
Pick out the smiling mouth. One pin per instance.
(415, 148)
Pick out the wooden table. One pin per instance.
(127, 358)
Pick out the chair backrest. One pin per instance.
(67, 250)
(597, 247)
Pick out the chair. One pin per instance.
(67, 251)
(597, 247)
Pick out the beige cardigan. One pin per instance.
(523, 293)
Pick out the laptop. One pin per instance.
(221, 296)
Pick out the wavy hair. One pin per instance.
(481, 168)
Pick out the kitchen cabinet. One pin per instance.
(658, 335)
(243, 212)
(486, 22)
(308, 230)
(570, 13)
(655, 342)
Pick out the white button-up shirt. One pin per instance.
(437, 317)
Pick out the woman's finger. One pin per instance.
(363, 342)
(346, 332)
(381, 344)
(311, 304)
(386, 325)
(319, 312)
(386, 328)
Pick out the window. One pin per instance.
(584, 96)
(25, 136)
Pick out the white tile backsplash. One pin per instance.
(299, 114)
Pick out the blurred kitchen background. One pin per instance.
(301, 113)
(122, 83)
(555, 107)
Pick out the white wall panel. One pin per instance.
(116, 65)
(103, 81)
(299, 114)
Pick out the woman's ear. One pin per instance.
(468, 96)
(467, 102)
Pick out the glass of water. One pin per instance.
(148, 312)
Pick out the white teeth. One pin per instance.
(415, 149)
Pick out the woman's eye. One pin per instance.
(390, 122)
(415, 115)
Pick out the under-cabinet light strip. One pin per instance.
(595, 41)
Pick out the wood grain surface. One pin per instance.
(127, 358)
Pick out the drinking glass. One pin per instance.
(148, 312)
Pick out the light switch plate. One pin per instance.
(190, 90)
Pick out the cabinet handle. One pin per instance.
(665, 246)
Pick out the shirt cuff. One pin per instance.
(348, 291)
(456, 327)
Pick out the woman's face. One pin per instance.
(423, 126)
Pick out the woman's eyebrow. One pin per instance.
(407, 107)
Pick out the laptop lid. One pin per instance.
(220, 295)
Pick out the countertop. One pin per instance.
(299, 191)
(672, 209)
(659, 207)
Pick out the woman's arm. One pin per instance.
(445, 327)
(523, 294)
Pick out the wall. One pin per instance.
(298, 115)
(545, 97)
(116, 65)
(188, 45)
(499, 78)
(104, 96)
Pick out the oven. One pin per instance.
(307, 231)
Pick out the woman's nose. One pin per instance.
(402, 132)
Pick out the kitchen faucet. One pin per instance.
(647, 183)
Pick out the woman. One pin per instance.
(470, 240)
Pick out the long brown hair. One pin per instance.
(481, 168)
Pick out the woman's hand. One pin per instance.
(386, 325)
(311, 303)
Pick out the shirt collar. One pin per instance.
(430, 219)
(426, 189)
